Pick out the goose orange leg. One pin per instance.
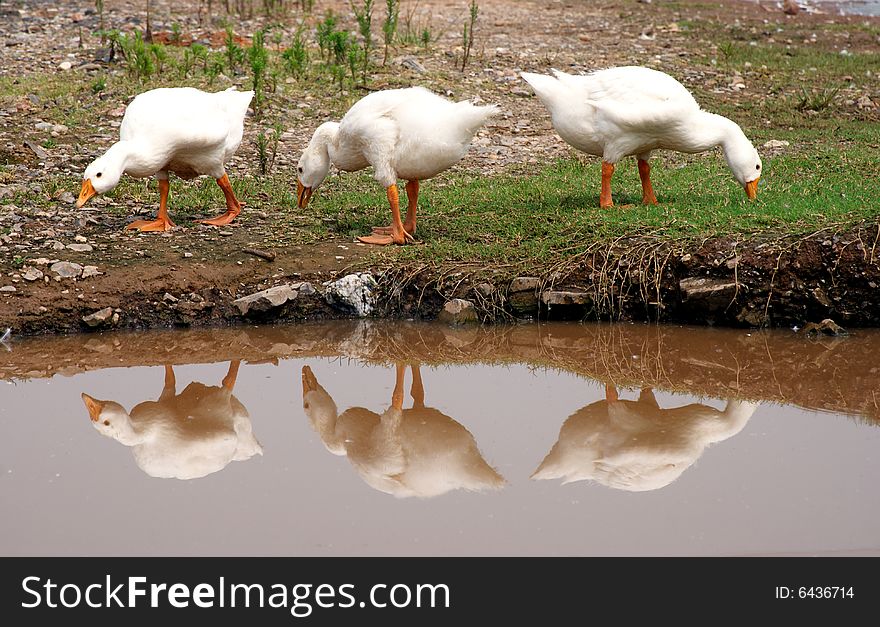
(610, 393)
(648, 197)
(605, 197)
(398, 234)
(417, 391)
(162, 222)
(409, 223)
(233, 207)
(397, 395)
(231, 374)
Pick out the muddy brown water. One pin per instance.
(354, 438)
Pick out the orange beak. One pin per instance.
(86, 192)
(310, 383)
(303, 195)
(752, 188)
(94, 406)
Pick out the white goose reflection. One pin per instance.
(403, 452)
(636, 445)
(181, 436)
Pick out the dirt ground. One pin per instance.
(203, 269)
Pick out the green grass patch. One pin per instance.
(536, 219)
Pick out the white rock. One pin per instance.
(65, 65)
(775, 144)
(90, 271)
(353, 291)
(32, 274)
(99, 317)
(265, 300)
(66, 269)
(80, 248)
(8, 288)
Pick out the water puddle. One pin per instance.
(355, 438)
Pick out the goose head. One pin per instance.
(111, 420)
(102, 175)
(321, 411)
(314, 164)
(744, 162)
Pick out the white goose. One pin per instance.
(409, 134)
(626, 111)
(181, 130)
(182, 436)
(636, 445)
(403, 452)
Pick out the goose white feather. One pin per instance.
(636, 445)
(182, 436)
(411, 134)
(632, 111)
(417, 452)
(182, 130)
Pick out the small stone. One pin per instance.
(411, 63)
(40, 261)
(57, 246)
(523, 295)
(99, 317)
(485, 289)
(225, 233)
(306, 289)
(355, 292)
(90, 271)
(82, 239)
(732, 263)
(261, 302)
(65, 65)
(524, 284)
(80, 248)
(775, 144)
(458, 311)
(66, 269)
(187, 255)
(826, 327)
(169, 298)
(8, 288)
(32, 274)
(555, 298)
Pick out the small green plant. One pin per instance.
(356, 55)
(185, 64)
(324, 33)
(18, 262)
(234, 53)
(49, 143)
(175, 33)
(468, 34)
(99, 84)
(389, 26)
(364, 16)
(296, 58)
(200, 53)
(138, 55)
(160, 54)
(817, 101)
(213, 69)
(99, 9)
(425, 37)
(267, 149)
(258, 57)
